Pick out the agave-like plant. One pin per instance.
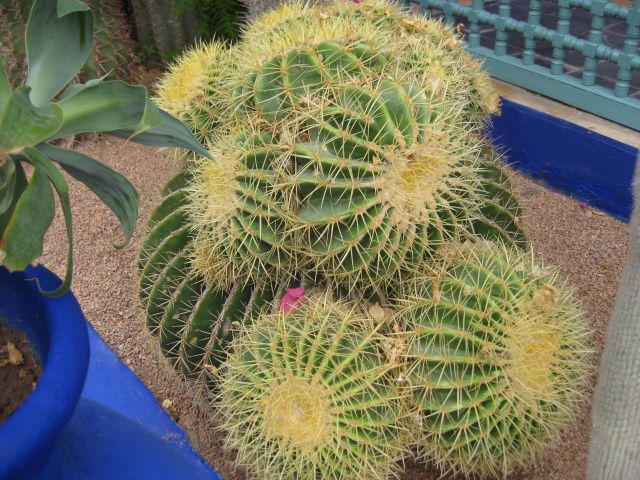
(35, 115)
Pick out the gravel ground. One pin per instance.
(588, 247)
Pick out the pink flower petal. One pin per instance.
(291, 299)
(582, 205)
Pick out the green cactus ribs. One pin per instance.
(497, 360)
(239, 212)
(193, 320)
(308, 395)
(193, 86)
(380, 185)
(286, 82)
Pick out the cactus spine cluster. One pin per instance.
(497, 358)
(347, 148)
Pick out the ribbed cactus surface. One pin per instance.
(192, 87)
(497, 358)
(193, 321)
(365, 186)
(309, 395)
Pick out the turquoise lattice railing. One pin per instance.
(613, 102)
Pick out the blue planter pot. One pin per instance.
(58, 331)
(89, 417)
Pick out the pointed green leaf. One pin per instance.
(170, 133)
(111, 187)
(7, 183)
(78, 87)
(65, 7)
(151, 118)
(112, 105)
(23, 124)
(40, 161)
(57, 46)
(5, 88)
(22, 241)
(18, 189)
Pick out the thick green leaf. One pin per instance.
(40, 161)
(111, 187)
(170, 133)
(18, 189)
(5, 88)
(103, 107)
(24, 125)
(65, 7)
(22, 241)
(57, 46)
(7, 183)
(77, 87)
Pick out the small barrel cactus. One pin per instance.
(309, 394)
(497, 358)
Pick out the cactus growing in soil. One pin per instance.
(497, 359)
(309, 394)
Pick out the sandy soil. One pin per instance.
(588, 247)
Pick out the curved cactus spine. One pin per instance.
(498, 357)
(309, 395)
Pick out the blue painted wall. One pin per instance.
(579, 162)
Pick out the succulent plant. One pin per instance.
(423, 46)
(165, 27)
(194, 321)
(369, 183)
(497, 358)
(58, 43)
(309, 394)
(112, 53)
(192, 88)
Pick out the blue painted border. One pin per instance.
(577, 161)
(113, 385)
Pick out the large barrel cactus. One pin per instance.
(497, 358)
(368, 185)
(311, 394)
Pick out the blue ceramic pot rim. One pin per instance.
(26, 436)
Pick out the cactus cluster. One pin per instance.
(113, 49)
(347, 154)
